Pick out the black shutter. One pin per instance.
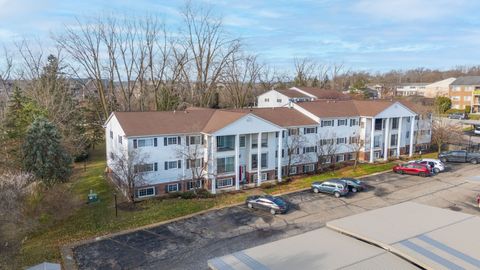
(283, 133)
(155, 165)
(276, 153)
(187, 140)
(203, 139)
(179, 164)
(179, 140)
(166, 165)
(165, 141)
(135, 143)
(283, 153)
(166, 188)
(188, 164)
(155, 142)
(304, 150)
(316, 129)
(304, 130)
(179, 186)
(315, 149)
(276, 134)
(321, 123)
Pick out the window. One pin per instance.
(171, 140)
(456, 88)
(376, 141)
(309, 130)
(192, 140)
(111, 134)
(255, 161)
(308, 168)
(467, 98)
(393, 140)
(264, 177)
(310, 149)
(293, 131)
(144, 142)
(326, 142)
(342, 122)
(264, 139)
(354, 122)
(267, 100)
(172, 188)
(242, 141)
(194, 163)
(351, 156)
(146, 192)
(394, 123)
(326, 123)
(293, 170)
(119, 139)
(225, 143)
(455, 98)
(327, 160)
(226, 182)
(173, 164)
(279, 100)
(194, 184)
(353, 140)
(340, 158)
(341, 140)
(378, 124)
(225, 165)
(147, 167)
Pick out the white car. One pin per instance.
(438, 166)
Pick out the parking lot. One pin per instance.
(189, 243)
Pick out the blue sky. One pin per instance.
(371, 35)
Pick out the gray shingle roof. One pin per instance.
(467, 80)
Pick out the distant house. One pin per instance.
(438, 89)
(411, 89)
(284, 97)
(465, 91)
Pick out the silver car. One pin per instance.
(334, 186)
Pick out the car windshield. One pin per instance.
(279, 201)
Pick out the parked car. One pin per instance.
(269, 203)
(430, 165)
(459, 156)
(460, 116)
(439, 166)
(476, 129)
(413, 168)
(336, 187)
(354, 185)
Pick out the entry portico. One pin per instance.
(244, 150)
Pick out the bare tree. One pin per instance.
(128, 169)
(356, 144)
(239, 78)
(326, 149)
(445, 131)
(209, 50)
(6, 67)
(270, 78)
(294, 143)
(305, 69)
(192, 152)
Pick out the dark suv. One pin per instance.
(336, 187)
(459, 116)
(459, 156)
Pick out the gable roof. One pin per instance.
(467, 80)
(222, 118)
(292, 93)
(350, 108)
(281, 116)
(320, 93)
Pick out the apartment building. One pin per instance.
(465, 91)
(410, 89)
(284, 97)
(223, 150)
(438, 89)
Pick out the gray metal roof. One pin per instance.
(467, 80)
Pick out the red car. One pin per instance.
(412, 168)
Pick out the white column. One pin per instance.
(412, 127)
(279, 155)
(259, 159)
(372, 137)
(237, 162)
(386, 140)
(214, 164)
(399, 135)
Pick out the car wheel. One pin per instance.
(316, 190)
(272, 211)
(443, 159)
(474, 161)
(337, 194)
(400, 172)
(436, 170)
(354, 190)
(250, 205)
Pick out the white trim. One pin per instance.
(225, 179)
(171, 185)
(147, 195)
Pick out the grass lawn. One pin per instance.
(88, 221)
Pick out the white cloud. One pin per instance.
(237, 21)
(409, 10)
(18, 8)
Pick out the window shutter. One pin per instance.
(166, 165)
(304, 130)
(135, 143)
(155, 165)
(283, 133)
(179, 164)
(316, 129)
(188, 164)
(298, 151)
(203, 139)
(166, 188)
(304, 150)
(179, 140)
(315, 149)
(155, 142)
(165, 141)
(179, 186)
(276, 134)
(321, 123)
(187, 140)
(276, 153)
(283, 153)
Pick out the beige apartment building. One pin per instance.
(465, 91)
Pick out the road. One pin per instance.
(189, 243)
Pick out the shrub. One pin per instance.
(267, 185)
(468, 109)
(455, 111)
(187, 195)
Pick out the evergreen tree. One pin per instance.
(43, 154)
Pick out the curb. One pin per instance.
(66, 251)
